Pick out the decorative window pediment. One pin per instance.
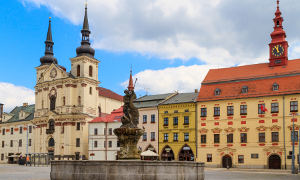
(229, 130)
(216, 130)
(261, 128)
(243, 129)
(275, 128)
(203, 131)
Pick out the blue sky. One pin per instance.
(23, 32)
(171, 44)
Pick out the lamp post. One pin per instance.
(294, 171)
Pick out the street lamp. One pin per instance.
(294, 170)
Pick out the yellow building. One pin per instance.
(177, 127)
(245, 114)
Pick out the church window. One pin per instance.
(78, 70)
(64, 101)
(52, 103)
(78, 126)
(51, 125)
(91, 90)
(79, 100)
(90, 71)
(217, 92)
(51, 142)
(99, 111)
(77, 142)
(245, 89)
(275, 87)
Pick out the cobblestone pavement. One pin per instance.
(249, 174)
(17, 172)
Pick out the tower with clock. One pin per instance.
(278, 46)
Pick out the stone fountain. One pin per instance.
(129, 166)
(129, 134)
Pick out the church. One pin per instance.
(66, 101)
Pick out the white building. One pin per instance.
(16, 133)
(103, 143)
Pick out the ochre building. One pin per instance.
(245, 114)
(177, 128)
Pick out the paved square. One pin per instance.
(16, 172)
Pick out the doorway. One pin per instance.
(186, 154)
(167, 154)
(227, 161)
(274, 162)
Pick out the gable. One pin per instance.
(53, 72)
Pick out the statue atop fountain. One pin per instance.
(129, 134)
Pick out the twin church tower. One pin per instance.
(66, 101)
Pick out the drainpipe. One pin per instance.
(106, 143)
(196, 130)
(284, 148)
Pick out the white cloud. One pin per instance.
(12, 95)
(182, 79)
(217, 33)
(228, 32)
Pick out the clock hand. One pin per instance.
(276, 47)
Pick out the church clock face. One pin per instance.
(53, 73)
(277, 50)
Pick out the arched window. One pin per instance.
(90, 90)
(79, 100)
(78, 70)
(90, 71)
(275, 87)
(51, 142)
(277, 23)
(52, 103)
(99, 111)
(51, 125)
(217, 92)
(64, 101)
(245, 89)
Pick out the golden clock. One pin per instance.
(277, 50)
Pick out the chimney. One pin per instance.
(1, 111)
(25, 104)
(196, 90)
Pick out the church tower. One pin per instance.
(278, 46)
(84, 67)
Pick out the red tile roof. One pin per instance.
(109, 94)
(259, 78)
(251, 71)
(115, 116)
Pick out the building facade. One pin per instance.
(148, 120)
(177, 128)
(246, 114)
(103, 143)
(66, 101)
(16, 133)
